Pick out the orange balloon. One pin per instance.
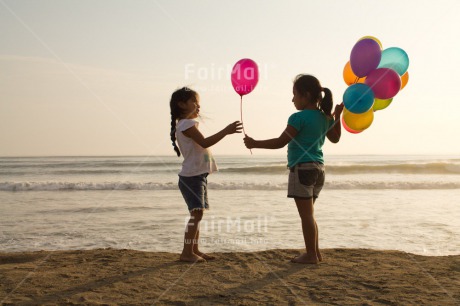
(404, 79)
(349, 77)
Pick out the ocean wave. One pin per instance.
(337, 185)
(406, 168)
(59, 186)
(447, 166)
(88, 165)
(268, 169)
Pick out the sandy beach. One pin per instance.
(110, 276)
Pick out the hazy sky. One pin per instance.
(95, 77)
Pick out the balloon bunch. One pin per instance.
(245, 76)
(374, 78)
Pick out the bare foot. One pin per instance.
(191, 258)
(305, 259)
(320, 257)
(203, 255)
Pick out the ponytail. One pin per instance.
(325, 105)
(173, 134)
(180, 95)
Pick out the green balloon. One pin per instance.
(381, 104)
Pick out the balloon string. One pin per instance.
(241, 115)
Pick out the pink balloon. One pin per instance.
(245, 75)
(384, 82)
(345, 126)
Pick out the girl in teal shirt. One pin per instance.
(305, 135)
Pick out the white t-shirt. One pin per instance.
(197, 160)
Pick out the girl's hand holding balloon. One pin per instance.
(249, 142)
(338, 111)
(233, 128)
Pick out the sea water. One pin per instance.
(408, 203)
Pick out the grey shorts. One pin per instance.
(306, 180)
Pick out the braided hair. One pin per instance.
(308, 84)
(181, 95)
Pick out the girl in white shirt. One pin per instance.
(198, 163)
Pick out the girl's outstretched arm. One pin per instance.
(207, 142)
(274, 143)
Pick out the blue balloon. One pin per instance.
(396, 59)
(358, 98)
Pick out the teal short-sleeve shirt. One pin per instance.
(306, 146)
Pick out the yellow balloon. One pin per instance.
(404, 79)
(358, 122)
(380, 104)
(373, 38)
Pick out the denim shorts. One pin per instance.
(194, 189)
(306, 180)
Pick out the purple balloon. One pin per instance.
(384, 82)
(365, 57)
